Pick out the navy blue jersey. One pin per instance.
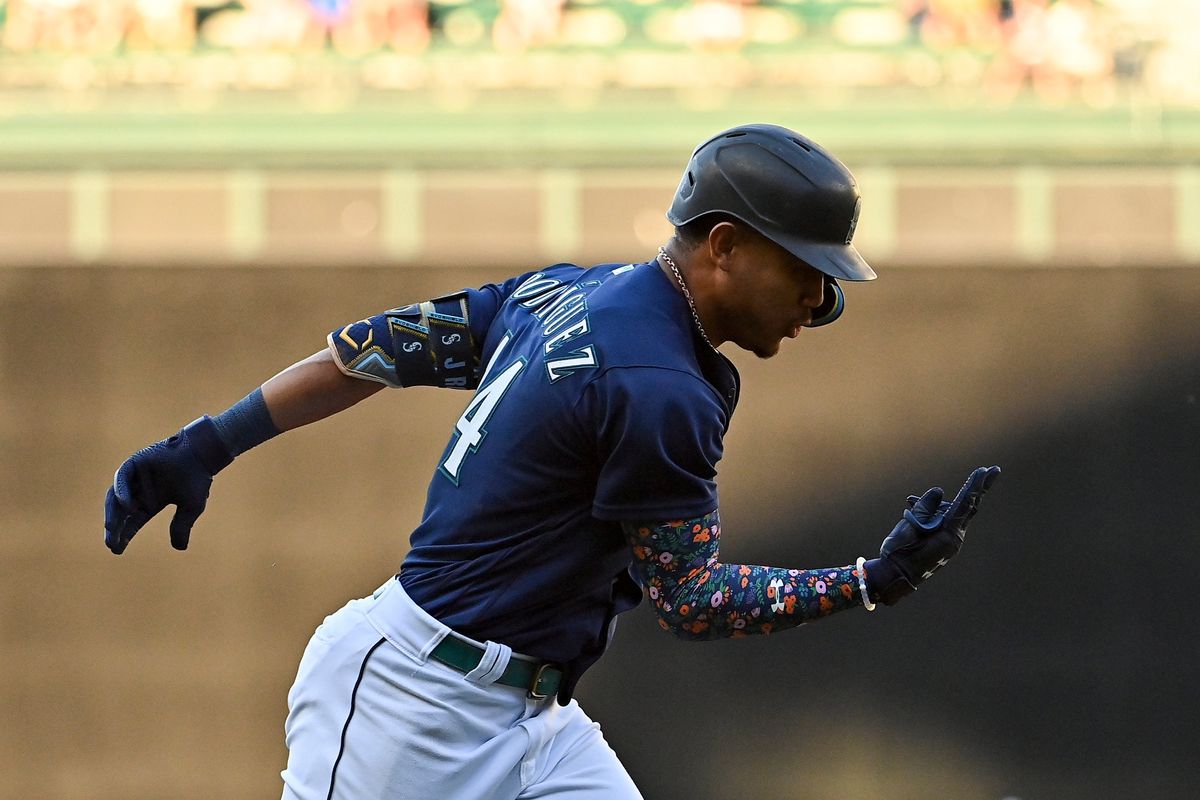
(598, 404)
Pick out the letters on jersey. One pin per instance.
(562, 310)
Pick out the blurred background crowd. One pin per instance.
(1096, 52)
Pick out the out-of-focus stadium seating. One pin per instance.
(1056, 51)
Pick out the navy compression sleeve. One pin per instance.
(245, 424)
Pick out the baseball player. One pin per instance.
(579, 479)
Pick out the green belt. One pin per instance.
(540, 679)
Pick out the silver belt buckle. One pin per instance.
(537, 679)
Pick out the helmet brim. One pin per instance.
(840, 261)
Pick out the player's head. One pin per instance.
(751, 291)
(786, 187)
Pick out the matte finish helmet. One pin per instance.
(786, 187)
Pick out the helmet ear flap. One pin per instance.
(832, 304)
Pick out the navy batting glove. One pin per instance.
(176, 471)
(929, 535)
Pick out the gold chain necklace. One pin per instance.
(687, 295)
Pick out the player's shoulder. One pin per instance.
(646, 331)
(611, 292)
(628, 314)
(642, 319)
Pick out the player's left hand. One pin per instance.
(930, 533)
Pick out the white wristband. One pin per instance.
(860, 567)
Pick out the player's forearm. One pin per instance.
(697, 596)
(311, 390)
(305, 392)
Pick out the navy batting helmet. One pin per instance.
(786, 187)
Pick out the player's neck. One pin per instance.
(677, 268)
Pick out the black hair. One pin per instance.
(692, 234)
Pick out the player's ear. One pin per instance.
(722, 238)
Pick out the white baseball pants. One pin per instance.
(371, 716)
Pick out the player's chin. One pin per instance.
(762, 343)
(766, 349)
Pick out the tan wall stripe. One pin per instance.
(402, 214)
(561, 224)
(89, 214)
(1035, 213)
(876, 234)
(1187, 212)
(246, 213)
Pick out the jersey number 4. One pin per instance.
(469, 430)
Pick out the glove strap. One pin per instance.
(202, 435)
(887, 584)
(860, 568)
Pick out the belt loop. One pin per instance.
(492, 665)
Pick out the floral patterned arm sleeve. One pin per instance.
(696, 596)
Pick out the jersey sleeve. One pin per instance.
(434, 343)
(659, 437)
(483, 304)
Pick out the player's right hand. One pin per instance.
(176, 471)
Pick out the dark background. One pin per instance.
(1055, 658)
